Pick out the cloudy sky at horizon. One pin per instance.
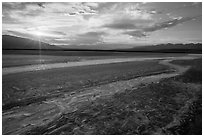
(104, 23)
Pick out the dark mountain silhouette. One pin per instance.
(12, 42)
(18, 43)
(168, 48)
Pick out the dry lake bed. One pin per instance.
(118, 95)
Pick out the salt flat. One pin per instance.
(38, 67)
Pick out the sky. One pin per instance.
(109, 25)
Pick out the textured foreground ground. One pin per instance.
(127, 105)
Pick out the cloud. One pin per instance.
(36, 9)
(29, 33)
(136, 33)
(92, 34)
(128, 16)
(57, 33)
(168, 24)
(14, 12)
(119, 38)
(8, 6)
(154, 11)
(158, 26)
(18, 33)
(72, 13)
(7, 19)
(81, 9)
(128, 23)
(91, 4)
(20, 6)
(120, 25)
(87, 38)
(41, 4)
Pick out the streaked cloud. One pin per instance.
(136, 33)
(159, 26)
(168, 24)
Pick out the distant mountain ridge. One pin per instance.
(169, 47)
(13, 42)
(18, 43)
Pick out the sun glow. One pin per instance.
(38, 33)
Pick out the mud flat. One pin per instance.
(20, 120)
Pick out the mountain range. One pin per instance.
(13, 42)
(18, 43)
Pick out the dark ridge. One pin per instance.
(16, 43)
(196, 51)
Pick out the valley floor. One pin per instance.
(142, 97)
